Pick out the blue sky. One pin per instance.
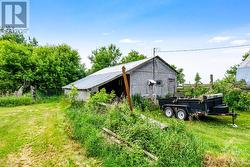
(145, 24)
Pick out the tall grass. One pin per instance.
(87, 129)
(27, 99)
(11, 101)
(173, 147)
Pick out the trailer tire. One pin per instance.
(182, 114)
(169, 112)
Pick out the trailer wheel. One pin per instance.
(181, 114)
(169, 112)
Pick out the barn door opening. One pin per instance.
(116, 85)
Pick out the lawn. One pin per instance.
(221, 139)
(35, 135)
(38, 135)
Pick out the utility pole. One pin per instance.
(211, 80)
(154, 52)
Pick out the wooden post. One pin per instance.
(211, 80)
(127, 87)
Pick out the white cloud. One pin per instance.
(158, 41)
(129, 41)
(220, 39)
(239, 42)
(248, 33)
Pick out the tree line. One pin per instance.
(25, 63)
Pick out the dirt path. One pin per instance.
(35, 135)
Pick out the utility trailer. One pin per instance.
(183, 108)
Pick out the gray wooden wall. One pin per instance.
(140, 77)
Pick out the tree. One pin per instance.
(33, 42)
(245, 56)
(232, 70)
(180, 75)
(56, 66)
(47, 67)
(197, 79)
(13, 35)
(132, 56)
(104, 57)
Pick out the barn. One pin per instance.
(150, 76)
(243, 71)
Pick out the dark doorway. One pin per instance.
(117, 85)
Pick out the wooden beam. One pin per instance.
(127, 87)
(153, 121)
(119, 140)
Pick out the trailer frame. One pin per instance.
(207, 105)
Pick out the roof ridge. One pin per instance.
(128, 63)
(110, 73)
(115, 66)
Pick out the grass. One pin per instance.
(11, 101)
(35, 135)
(173, 147)
(221, 138)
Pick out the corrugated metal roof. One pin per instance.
(245, 63)
(118, 68)
(107, 74)
(93, 80)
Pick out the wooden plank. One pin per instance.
(119, 140)
(153, 121)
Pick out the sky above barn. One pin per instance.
(144, 24)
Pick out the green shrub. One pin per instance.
(144, 104)
(101, 97)
(244, 101)
(199, 90)
(99, 100)
(234, 94)
(73, 95)
(232, 97)
(11, 101)
(233, 91)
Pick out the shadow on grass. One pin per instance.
(215, 120)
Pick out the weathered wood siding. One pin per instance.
(140, 77)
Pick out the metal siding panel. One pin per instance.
(243, 74)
